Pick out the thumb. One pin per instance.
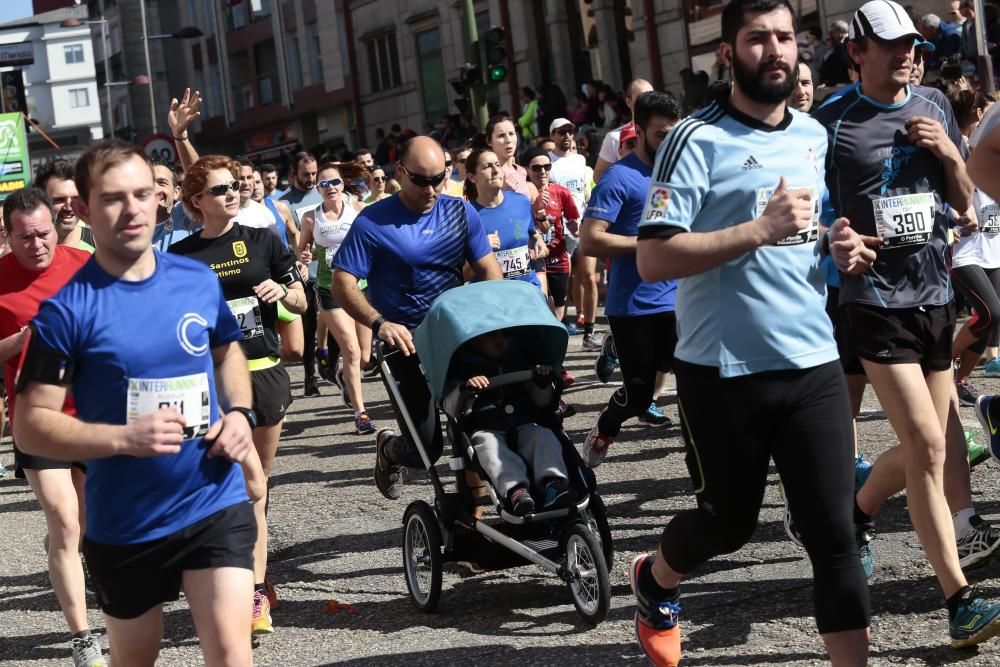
(497, 232)
(214, 431)
(782, 186)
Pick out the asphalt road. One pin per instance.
(336, 560)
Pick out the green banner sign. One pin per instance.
(15, 168)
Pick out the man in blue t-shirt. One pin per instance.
(640, 314)
(166, 501)
(411, 248)
(734, 209)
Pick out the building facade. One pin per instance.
(60, 86)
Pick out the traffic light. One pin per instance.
(12, 87)
(469, 77)
(496, 55)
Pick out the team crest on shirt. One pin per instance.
(656, 203)
(240, 248)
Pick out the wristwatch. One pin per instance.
(248, 413)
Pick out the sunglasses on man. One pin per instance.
(423, 181)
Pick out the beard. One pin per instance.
(753, 84)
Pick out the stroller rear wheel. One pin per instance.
(587, 573)
(422, 555)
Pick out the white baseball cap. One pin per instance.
(887, 21)
(560, 122)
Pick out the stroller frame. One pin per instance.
(585, 571)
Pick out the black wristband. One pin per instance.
(248, 413)
(824, 245)
(377, 324)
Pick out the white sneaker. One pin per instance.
(87, 652)
(595, 447)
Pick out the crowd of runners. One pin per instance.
(773, 260)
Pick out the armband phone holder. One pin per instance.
(40, 364)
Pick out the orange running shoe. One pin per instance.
(656, 624)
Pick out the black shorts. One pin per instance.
(272, 394)
(131, 579)
(539, 265)
(558, 287)
(325, 299)
(848, 359)
(645, 343)
(24, 462)
(920, 335)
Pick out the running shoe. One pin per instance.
(967, 394)
(388, 476)
(656, 621)
(986, 421)
(260, 624)
(591, 341)
(87, 652)
(571, 329)
(370, 369)
(269, 590)
(309, 387)
(323, 364)
(992, 368)
(978, 452)
(595, 447)
(654, 416)
(976, 621)
(865, 534)
(338, 379)
(978, 543)
(607, 360)
(567, 379)
(566, 410)
(558, 495)
(580, 323)
(862, 471)
(363, 424)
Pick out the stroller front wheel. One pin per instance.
(586, 573)
(422, 555)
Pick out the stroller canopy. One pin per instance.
(462, 313)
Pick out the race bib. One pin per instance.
(515, 262)
(247, 313)
(189, 395)
(904, 220)
(807, 235)
(989, 219)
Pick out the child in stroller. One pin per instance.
(507, 425)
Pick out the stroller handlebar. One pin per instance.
(461, 397)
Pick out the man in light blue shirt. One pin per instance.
(734, 209)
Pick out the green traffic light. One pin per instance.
(498, 73)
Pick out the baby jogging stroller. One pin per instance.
(574, 543)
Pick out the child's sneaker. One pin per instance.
(520, 501)
(558, 495)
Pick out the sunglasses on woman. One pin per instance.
(378, 179)
(423, 181)
(542, 167)
(222, 188)
(330, 183)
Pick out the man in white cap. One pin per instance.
(895, 158)
(569, 169)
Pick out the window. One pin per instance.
(383, 62)
(314, 48)
(79, 98)
(432, 74)
(73, 53)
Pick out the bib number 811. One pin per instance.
(909, 222)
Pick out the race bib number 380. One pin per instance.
(515, 262)
(904, 220)
(807, 235)
(247, 314)
(189, 394)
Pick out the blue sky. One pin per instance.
(14, 9)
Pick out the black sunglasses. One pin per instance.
(423, 181)
(539, 167)
(378, 179)
(222, 188)
(447, 163)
